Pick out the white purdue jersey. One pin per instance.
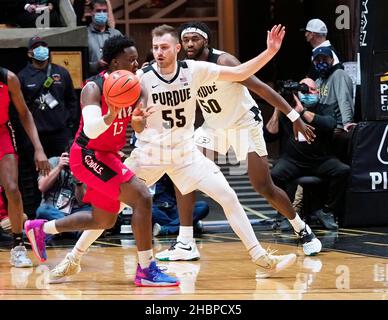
(223, 103)
(172, 123)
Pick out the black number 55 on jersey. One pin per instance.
(173, 118)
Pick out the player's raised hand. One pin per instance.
(275, 38)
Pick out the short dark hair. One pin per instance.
(94, 2)
(165, 29)
(114, 46)
(198, 25)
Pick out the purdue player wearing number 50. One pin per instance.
(166, 145)
(232, 118)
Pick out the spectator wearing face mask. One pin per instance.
(83, 9)
(336, 91)
(50, 96)
(299, 158)
(316, 34)
(98, 32)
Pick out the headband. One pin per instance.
(193, 29)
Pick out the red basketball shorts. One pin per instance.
(7, 140)
(103, 173)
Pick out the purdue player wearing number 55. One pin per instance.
(232, 118)
(166, 145)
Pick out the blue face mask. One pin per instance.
(41, 53)
(309, 99)
(101, 18)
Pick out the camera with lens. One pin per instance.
(288, 88)
(292, 86)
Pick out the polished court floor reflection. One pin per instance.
(353, 265)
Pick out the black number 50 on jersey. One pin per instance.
(211, 106)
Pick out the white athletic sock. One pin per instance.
(186, 234)
(256, 252)
(76, 254)
(49, 227)
(84, 242)
(145, 258)
(298, 224)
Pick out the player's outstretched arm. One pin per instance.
(270, 96)
(94, 122)
(245, 70)
(41, 163)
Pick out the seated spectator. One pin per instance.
(336, 90)
(98, 32)
(298, 158)
(165, 217)
(50, 96)
(30, 10)
(61, 193)
(316, 34)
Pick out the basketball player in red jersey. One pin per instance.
(10, 90)
(95, 161)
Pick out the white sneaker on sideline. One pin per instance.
(19, 258)
(179, 252)
(269, 264)
(156, 229)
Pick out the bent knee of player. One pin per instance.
(228, 197)
(144, 199)
(102, 221)
(137, 195)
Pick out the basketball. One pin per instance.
(121, 89)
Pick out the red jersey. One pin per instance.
(4, 96)
(114, 138)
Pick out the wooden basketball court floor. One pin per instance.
(353, 265)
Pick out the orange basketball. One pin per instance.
(121, 89)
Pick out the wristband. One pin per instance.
(293, 115)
